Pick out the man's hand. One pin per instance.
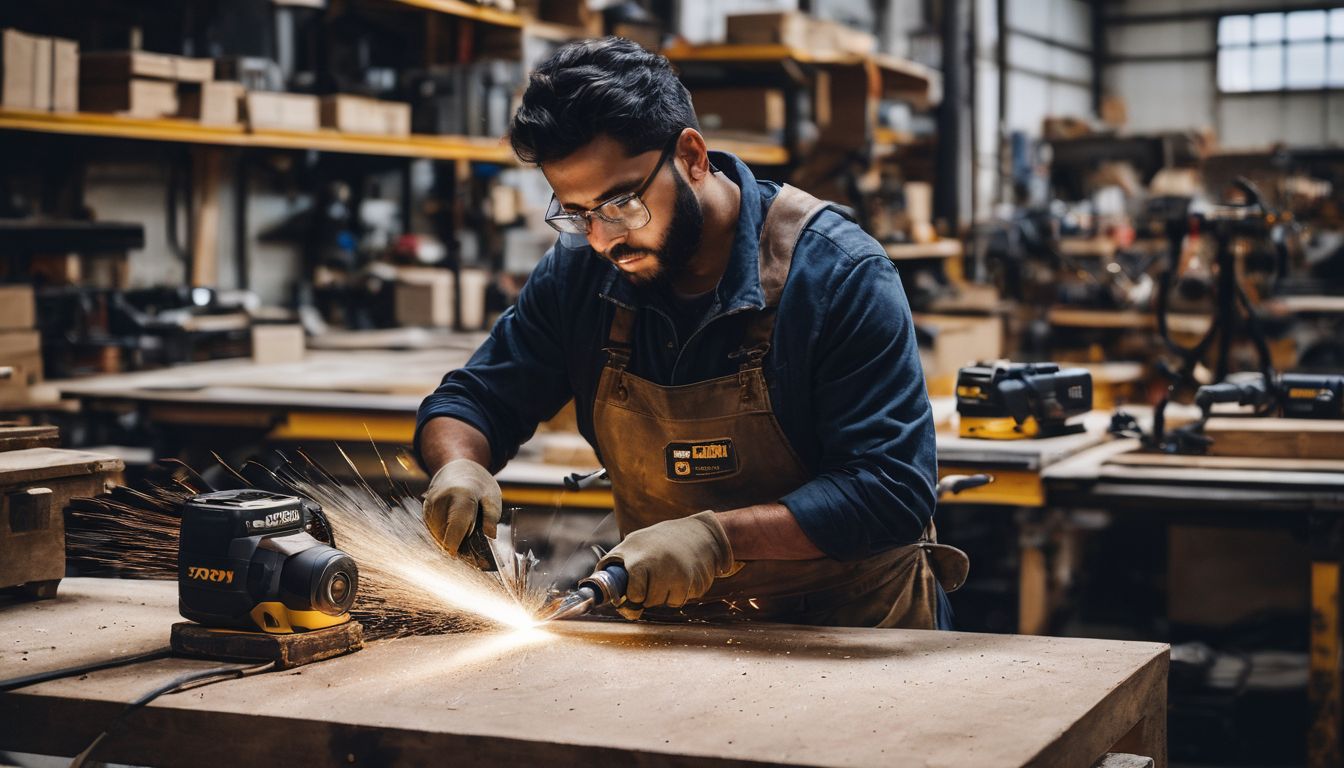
(455, 492)
(672, 562)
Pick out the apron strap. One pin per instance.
(789, 214)
(618, 338)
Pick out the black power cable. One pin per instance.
(180, 683)
(56, 674)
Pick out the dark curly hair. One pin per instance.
(608, 86)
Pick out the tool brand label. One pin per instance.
(702, 460)
(277, 519)
(216, 575)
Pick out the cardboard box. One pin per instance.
(19, 63)
(268, 110)
(187, 70)
(213, 103)
(958, 340)
(17, 308)
(797, 30)
(277, 344)
(42, 62)
(137, 97)
(755, 110)
(424, 297)
(64, 75)
(1064, 128)
(358, 114)
(119, 66)
(919, 211)
(20, 363)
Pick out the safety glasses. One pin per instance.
(621, 213)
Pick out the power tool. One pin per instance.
(1290, 395)
(1012, 401)
(1312, 395)
(258, 584)
(605, 587)
(246, 562)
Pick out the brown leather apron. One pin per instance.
(675, 451)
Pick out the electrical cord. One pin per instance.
(56, 674)
(181, 683)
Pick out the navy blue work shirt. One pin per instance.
(843, 368)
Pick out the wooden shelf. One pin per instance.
(473, 148)
(467, 10)
(942, 249)
(750, 152)
(900, 78)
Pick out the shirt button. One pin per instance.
(670, 345)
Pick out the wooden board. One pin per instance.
(35, 465)
(323, 380)
(1029, 454)
(18, 438)
(1281, 438)
(602, 693)
(1229, 462)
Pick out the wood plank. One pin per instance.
(1145, 459)
(208, 164)
(35, 465)
(943, 249)
(16, 438)
(590, 692)
(1272, 437)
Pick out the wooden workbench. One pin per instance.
(588, 693)
(1231, 491)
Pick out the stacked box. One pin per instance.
(798, 30)
(752, 110)
(141, 83)
(20, 344)
(271, 111)
(38, 73)
(358, 114)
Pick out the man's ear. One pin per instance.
(694, 154)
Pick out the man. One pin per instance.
(741, 357)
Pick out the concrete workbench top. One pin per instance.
(585, 692)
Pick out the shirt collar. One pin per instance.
(740, 286)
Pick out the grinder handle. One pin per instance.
(608, 584)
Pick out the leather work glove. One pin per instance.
(456, 492)
(672, 562)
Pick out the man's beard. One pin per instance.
(680, 241)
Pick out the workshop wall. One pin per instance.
(1047, 50)
(1163, 64)
(136, 191)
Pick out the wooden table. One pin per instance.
(588, 693)
(1221, 490)
(330, 395)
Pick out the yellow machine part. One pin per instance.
(277, 619)
(998, 428)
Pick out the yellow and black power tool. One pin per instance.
(246, 562)
(1012, 401)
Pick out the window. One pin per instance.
(1294, 51)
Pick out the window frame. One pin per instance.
(1283, 41)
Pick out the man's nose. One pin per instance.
(603, 235)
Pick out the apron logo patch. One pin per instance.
(700, 460)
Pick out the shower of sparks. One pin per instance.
(408, 585)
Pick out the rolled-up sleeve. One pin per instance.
(875, 487)
(518, 377)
